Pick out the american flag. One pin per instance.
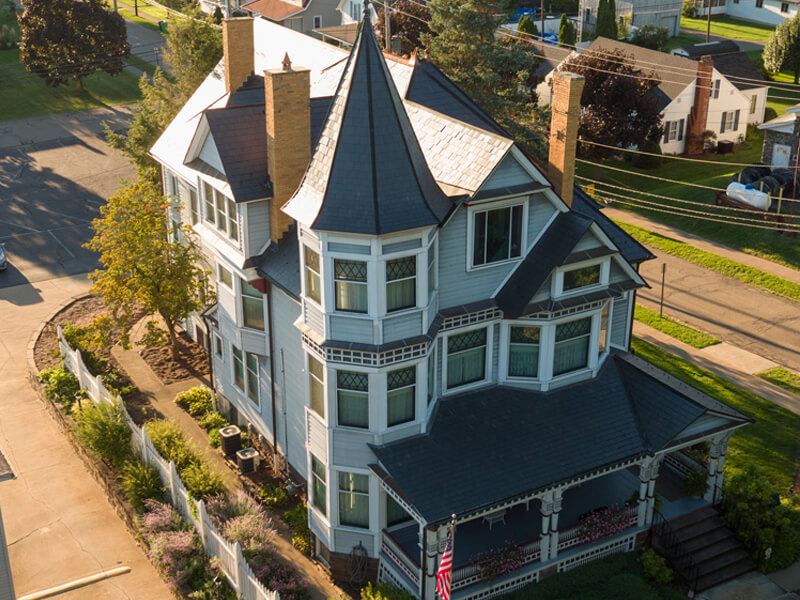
(445, 568)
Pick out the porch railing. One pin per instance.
(407, 565)
(571, 536)
(669, 544)
(471, 573)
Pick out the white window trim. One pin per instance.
(489, 326)
(218, 197)
(384, 282)
(320, 305)
(245, 374)
(240, 296)
(593, 359)
(332, 388)
(218, 343)
(486, 206)
(557, 289)
(307, 354)
(322, 517)
(384, 409)
(314, 21)
(220, 267)
(333, 498)
(505, 349)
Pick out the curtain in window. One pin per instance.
(233, 220)
(350, 278)
(316, 378)
(523, 352)
(466, 358)
(352, 399)
(252, 307)
(572, 346)
(353, 499)
(400, 396)
(312, 274)
(401, 283)
(252, 376)
(318, 486)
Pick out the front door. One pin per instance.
(780, 155)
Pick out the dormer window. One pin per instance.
(401, 283)
(578, 278)
(582, 277)
(221, 212)
(350, 283)
(311, 260)
(497, 235)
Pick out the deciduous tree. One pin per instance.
(618, 105)
(70, 39)
(782, 50)
(408, 19)
(141, 266)
(650, 36)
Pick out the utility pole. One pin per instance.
(387, 27)
(115, 6)
(135, 7)
(708, 22)
(541, 33)
(661, 302)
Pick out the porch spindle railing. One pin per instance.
(399, 558)
(667, 542)
(471, 573)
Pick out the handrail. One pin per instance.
(395, 552)
(675, 552)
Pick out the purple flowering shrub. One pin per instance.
(253, 532)
(604, 522)
(494, 563)
(279, 577)
(222, 508)
(159, 517)
(178, 555)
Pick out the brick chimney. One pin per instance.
(698, 116)
(237, 46)
(288, 113)
(566, 107)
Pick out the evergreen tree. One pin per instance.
(70, 39)
(606, 25)
(782, 50)
(566, 32)
(527, 26)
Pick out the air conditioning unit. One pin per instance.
(230, 440)
(247, 459)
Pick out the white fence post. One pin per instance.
(172, 473)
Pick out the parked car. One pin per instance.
(3, 259)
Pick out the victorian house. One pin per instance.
(422, 320)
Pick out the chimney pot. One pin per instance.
(287, 62)
(566, 107)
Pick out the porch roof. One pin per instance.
(493, 445)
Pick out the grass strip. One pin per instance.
(771, 441)
(714, 262)
(788, 380)
(730, 28)
(141, 64)
(129, 16)
(673, 328)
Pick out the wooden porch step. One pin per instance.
(721, 561)
(717, 549)
(702, 528)
(696, 516)
(731, 571)
(709, 539)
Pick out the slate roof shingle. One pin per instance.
(280, 263)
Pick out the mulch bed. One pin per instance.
(192, 361)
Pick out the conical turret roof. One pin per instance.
(368, 174)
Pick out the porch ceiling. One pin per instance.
(501, 443)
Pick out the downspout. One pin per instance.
(209, 350)
(272, 381)
(630, 316)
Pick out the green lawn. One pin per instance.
(714, 262)
(771, 441)
(673, 328)
(682, 40)
(128, 15)
(32, 98)
(730, 28)
(778, 99)
(766, 243)
(141, 64)
(788, 380)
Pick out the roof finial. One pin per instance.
(287, 62)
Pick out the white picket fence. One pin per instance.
(230, 556)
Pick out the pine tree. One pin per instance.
(606, 25)
(782, 50)
(527, 26)
(70, 39)
(566, 32)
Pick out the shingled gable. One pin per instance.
(368, 174)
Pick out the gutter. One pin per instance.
(272, 378)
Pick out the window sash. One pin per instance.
(580, 278)
(395, 513)
(523, 352)
(401, 386)
(353, 499)
(352, 399)
(252, 307)
(401, 283)
(252, 376)
(218, 345)
(238, 368)
(753, 103)
(312, 274)
(208, 192)
(225, 276)
(319, 486)
(194, 208)
(571, 349)
(316, 384)
(431, 269)
(466, 366)
(233, 220)
(497, 235)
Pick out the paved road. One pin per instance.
(52, 189)
(143, 41)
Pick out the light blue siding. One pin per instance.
(401, 246)
(314, 318)
(456, 286)
(619, 320)
(540, 211)
(398, 328)
(287, 338)
(346, 540)
(257, 226)
(351, 329)
(509, 172)
(348, 248)
(587, 242)
(350, 448)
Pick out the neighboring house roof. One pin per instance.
(784, 122)
(276, 10)
(677, 73)
(345, 34)
(280, 263)
(739, 70)
(487, 446)
(697, 51)
(368, 174)
(550, 57)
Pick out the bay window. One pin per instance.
(353, 499)
(194, 207)
(319, 486)
(400, 385)
(350, 283)
(225, 276)
(497, 235)
(603, 341)
(466, 358)
(523, 352)
(431, 376)
(352, 395)
(431, 269)
(316, 386)
(571, 349)
(312, 274)
(252, 307)
(401, 283)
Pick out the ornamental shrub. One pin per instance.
(695, 483)
(177, 554)
(655, 567)
(222, 508)
(277, 576)
(157, 518)
(171, 443)
(198, 400)
(103, 430)
(604, 522)
(383, 591)
(297, 518)
(200, 481)
(499, 562)
(141, 482)
(273, 496)
(645, 161)
(213, 420)
(253, 532)
(59, 385)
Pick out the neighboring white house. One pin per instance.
(718, 106)
(418, 322)
(662, 13)
(782, 138)
(299, 15)
(770, 12)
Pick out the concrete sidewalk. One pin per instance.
(762, 264)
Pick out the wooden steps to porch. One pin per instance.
(713, 548)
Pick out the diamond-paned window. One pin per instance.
(572, 329)
(350, 380)
(401, 268)
(351, 270)
(401, 378)
(464, 341)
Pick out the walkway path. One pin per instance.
(162, 398)
(58, 522)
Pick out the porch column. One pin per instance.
(651, 489)
(547, 511)
(711, 475)
(557, 495)
(715, 482)
(431, 546)
(644, 481)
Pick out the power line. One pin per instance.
(674, 157)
